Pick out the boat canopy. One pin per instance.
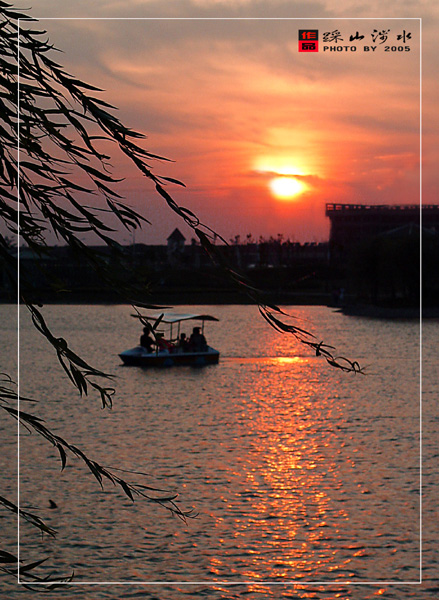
(169, 317)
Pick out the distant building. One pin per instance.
(175, 248)
(176, 240)
(352, 223)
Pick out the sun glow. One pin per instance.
(286, 188)
(284, 177)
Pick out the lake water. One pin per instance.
(303, 477)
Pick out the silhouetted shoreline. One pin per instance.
(212, 297)
(180, 297)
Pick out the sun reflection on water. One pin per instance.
(289, 476)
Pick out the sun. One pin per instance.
(285, 177)
(286, 188)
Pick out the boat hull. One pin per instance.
(138, 357)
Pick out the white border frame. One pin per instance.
(225, 583)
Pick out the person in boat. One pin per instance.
(197, 341)
(183, 343)
(163, 344)
(146, 340)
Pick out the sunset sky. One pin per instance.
(261, 134)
